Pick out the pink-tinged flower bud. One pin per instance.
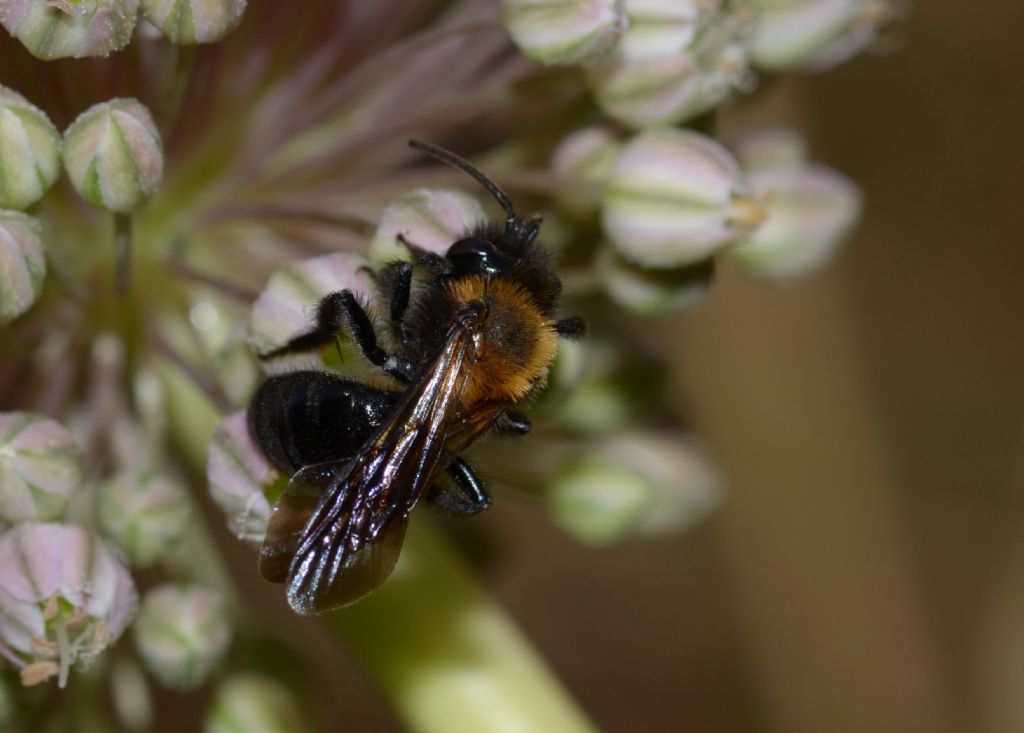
(774, 147)
(651, 292)
(53, 29)
(64, 598)
(29, 151)
(634, 483)
(816, 34)
(194, 21)
(238, 475)
(287, 306)
(247, 702)
(581, 165)
(564, 33)
(145, 514)
(181, 633)
(22, 264)
(113, 155)
(40, 467)
(429, 218)
(676, 197)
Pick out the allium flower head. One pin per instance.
(64, 597)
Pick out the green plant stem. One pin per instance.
(122, 250)
(446, 655)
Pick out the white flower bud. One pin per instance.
(29, 151)
(815, 34)
(181, 633)
(64, 597)
(287, 306)
(774, 147)
(53, 29)
(113, 155)
(634, 483)
(581, 165)
(22, 264)
(40, 467)
(651, 292)
(247, 702)
(238, 474)
(564, 32)
(145, 514)
(676, 197)
(194, 21)
(429, 218)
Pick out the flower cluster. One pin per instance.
(220, 180)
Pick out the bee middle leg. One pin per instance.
(395, 284)
(465, 496)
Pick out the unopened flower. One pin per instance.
(113, 155)
(181, 633)
(29, 151)
(674, 63)
(194, 21)
(581, 165)
(815, 34)
(634, 483)
(649, 291)
(40, 467)
(22, 264)
(248, 702)
(676, 197)
(286, 307)
(238, 475)
(64, 597)
(564, 32)
(144, 513)
(53, 29)
(810, 208)
(427, 218)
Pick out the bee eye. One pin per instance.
(475, 255)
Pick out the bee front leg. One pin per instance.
(466, 495)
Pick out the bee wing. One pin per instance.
(340, 525)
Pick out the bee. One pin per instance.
(471, 334)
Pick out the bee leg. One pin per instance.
(395, 283)
(465, 496)
(571, 328)
(513, 423)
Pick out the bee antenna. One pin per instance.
(446, 156)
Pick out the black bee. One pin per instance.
(474, 333)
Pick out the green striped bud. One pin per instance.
(145, 514)
(29, 151)
(113, 155)
(429, 218)
(40, 467)
(22, 264)
(651, 292)
(239, 475)
(194, 21)
(581, 165)
(247, 702)
(54, 29)
(564, 32)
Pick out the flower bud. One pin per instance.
(676, 197)
(810, 211)
(29, 151)
(238, 475)
(429, 218)
(64, 597)
(40, 467)
(145, 514)
(181, 633)
(287, 306)
(581, 165)
(815, 34)
(113, 155)
(564, 33)
(194, 21)
(634, 483)
(651, 292)
(22, 264)
(774, 147)
(247, 702)
(70, 28)
(237, 369)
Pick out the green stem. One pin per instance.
(122, 250)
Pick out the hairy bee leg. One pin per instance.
(571, 328)
(395, 283)
(513, 423)
(466, 496)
